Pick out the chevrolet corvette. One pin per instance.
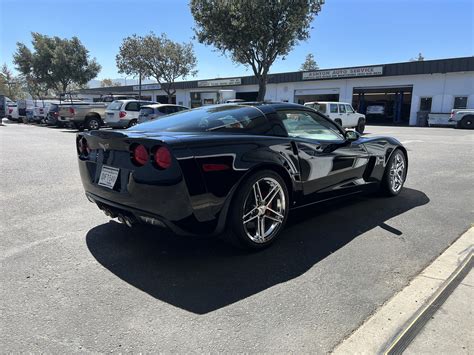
(234, 170)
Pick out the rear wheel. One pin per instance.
(132, 123)
(466, 123)
(395, 174)
(360, 126)
(338, 121)
(259, 211)
(92, 123)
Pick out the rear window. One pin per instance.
(116, 105)
(222, 118)
(146, 111)
(53, 107)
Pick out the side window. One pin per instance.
(349, 109)
(333, 108)
(162, 110)
(342, 109)
(425, 104)
(305, 124)
(460, 102)
(132, 106)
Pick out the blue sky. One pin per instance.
(345, 33)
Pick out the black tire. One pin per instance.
(466, 123)
(92, 123)
(338, 121)
(60, 124)
(387, 187)
(132, 123)
(360, 126)
(236, 233)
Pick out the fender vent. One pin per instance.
(369, 168)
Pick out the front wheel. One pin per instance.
(360, 126)
(395, 174)
(259, 211)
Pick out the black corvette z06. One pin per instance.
(237, 168)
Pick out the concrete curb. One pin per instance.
(381, 329)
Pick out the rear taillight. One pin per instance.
(56, 114)
(72, 111)
(10, 110)
(451, 115)
(140, 155)
(162, 158)
(83, 147)
(122, 114)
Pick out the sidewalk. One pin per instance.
(432, 315)
(451, 329)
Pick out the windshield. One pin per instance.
(116, 105)
(210, 118)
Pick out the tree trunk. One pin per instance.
(170, 98)
(262, 87)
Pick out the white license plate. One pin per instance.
(108, 176)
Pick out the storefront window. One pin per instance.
(460, 102)
(425, 104)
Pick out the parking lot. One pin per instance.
(72, 280)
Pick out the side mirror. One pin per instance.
(352, 136)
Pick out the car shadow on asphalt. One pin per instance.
(203, 275)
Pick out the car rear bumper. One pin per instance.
(162, 204)
(118, 124)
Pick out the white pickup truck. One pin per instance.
(83, 115)
(464, 118)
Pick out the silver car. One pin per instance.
(149, 112)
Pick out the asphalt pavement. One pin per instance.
(74, 281)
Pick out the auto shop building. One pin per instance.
(398, 93)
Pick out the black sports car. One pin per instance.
(235, 166)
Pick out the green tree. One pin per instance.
(157, 57)
(11, 85)
(309, 63)
(106, 83)
(255, 33)
(420, 58)
(55, 63)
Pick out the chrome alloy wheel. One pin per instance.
(397, 172)
(264, 210)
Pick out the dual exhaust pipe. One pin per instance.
(124, 219)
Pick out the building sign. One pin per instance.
(343, 73)
(220, 82)
(147, 87)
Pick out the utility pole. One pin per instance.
(140, 85)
